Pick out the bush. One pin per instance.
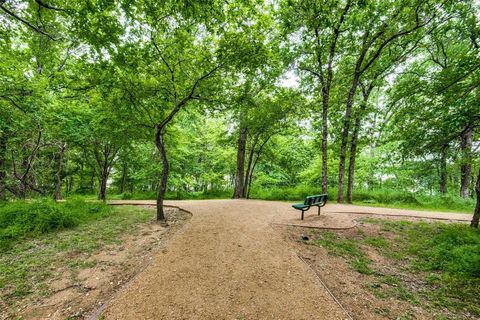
(21, 219)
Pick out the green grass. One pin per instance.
(26, 219)
(443, 258)
(346, 248)
(30, 263)
(452, 249)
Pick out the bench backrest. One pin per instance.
(315, 200)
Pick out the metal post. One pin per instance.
(319, 210)
(302, 214)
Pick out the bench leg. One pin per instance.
(302, 214)
(318, 210)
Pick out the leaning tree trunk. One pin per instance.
(252, 170)
(476, 214)
(466, 166)
(250, 174)
(346, 129)
(249, 167)
(240, 175)
(58, 174)
(443, 171)
(160, 144)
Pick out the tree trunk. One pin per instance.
(102, 191)
(366, 90)
(22, 186)
(250, 174)
(249, 167)
(58, 174)
(160, 144)
(346, 128)
(466, 166)
(69, 185)
(351, 162)
(443, 170)
(240, 175)
(476, 214)
(105, 161)
(3, 174)
(124, 178)
(325, 142)
(326, 84)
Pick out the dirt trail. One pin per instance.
(226, 263)
(229, 263)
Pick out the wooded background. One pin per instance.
(373, 101)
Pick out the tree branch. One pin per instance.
(47, 6)
(25, 22)
(188, 97)
(16, 105)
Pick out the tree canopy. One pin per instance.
(210, 98)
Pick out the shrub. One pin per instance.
(21, 219)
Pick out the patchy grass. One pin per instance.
(346, 248)
(433, 265)
(30, 262)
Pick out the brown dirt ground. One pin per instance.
(76, 296)
(354, 290)
(231, 262)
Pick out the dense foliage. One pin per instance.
(211, 98)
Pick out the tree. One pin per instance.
(391, 24)
(320, 24)
(279, 108)
(179, 62)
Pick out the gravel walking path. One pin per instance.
(229, 262)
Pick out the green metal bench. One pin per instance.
(311, 201)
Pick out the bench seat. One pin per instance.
(300, 206)
(311, 201)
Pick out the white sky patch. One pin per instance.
(289, 80)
